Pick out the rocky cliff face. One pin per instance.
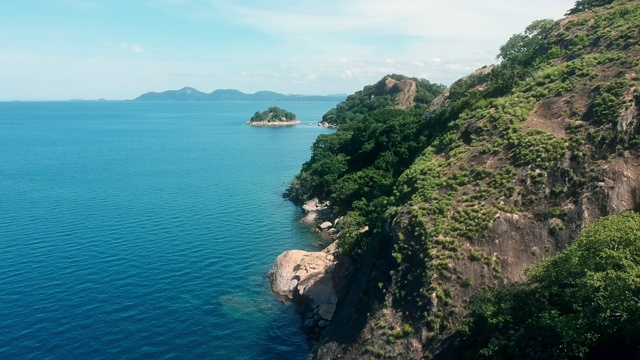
(506, 178)
(403, 90)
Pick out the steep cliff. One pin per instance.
(503, 169)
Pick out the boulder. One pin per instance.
(306, 277)
(282, 275)
(313, 205)
(318, 287)
(326, 225)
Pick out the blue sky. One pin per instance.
(90, 49)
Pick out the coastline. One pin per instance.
(327, 125)
(273, 123)
(312, 280)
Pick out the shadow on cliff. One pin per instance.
(361, 298)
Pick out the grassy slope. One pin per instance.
(501, 180)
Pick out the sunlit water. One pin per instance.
(145, 230)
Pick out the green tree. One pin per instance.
(273, 113)
(583, 303)
(525, 47)
(519, 56)
(584, 5)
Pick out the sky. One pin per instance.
(120, 49)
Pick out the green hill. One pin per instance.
(446, 193)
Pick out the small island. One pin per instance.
(273, 116)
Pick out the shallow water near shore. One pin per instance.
(136, 230)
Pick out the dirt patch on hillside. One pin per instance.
(548, 116)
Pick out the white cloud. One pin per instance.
(135, 48)
(418, 18)
(288, 46)
(396, 36)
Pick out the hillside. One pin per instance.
(191, 94)
(442, 195)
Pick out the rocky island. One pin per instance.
(273, 116)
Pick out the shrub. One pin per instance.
(583, 303)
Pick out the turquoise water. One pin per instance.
(145, 230)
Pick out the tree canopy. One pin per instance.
(273, 114)
(583, 303)
(584, 5)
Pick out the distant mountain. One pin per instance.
(191, 94)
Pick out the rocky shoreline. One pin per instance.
(327, 125)
(312, 280)
(273, 123)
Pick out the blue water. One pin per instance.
(145, 230)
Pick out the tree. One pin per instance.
(273, 113)
(584, 5)
(524, 48)
(583, 303)
(519, 55)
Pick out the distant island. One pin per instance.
(191, 94)
(273, 116)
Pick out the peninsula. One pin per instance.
(273, 116)
(496, 218)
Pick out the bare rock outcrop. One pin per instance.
(315, 212)
(404, 90)
(294, 267)
(307, 278)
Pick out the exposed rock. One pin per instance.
(307, 278)
(273, 123)
(326, 310)
(405, 91)
(306, 275)
(315, 212)
(317, 288)
(314, 205)
(326, 225)
(327, 125)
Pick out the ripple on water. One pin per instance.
(132, 230)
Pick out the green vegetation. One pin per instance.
(356, 167)
(584, 5)
(376, 97)
(522, 142)
(536, 148)
(521, 55)
(583, 303)
(273, 114)
(609, 103)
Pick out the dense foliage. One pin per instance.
(356, 166)
(537, 123)
(526, 139)
(273, 113)
(359, 167)
(521, 55)
(583, 303)
(377, 97)
(584, 5)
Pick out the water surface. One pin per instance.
(145, 230)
